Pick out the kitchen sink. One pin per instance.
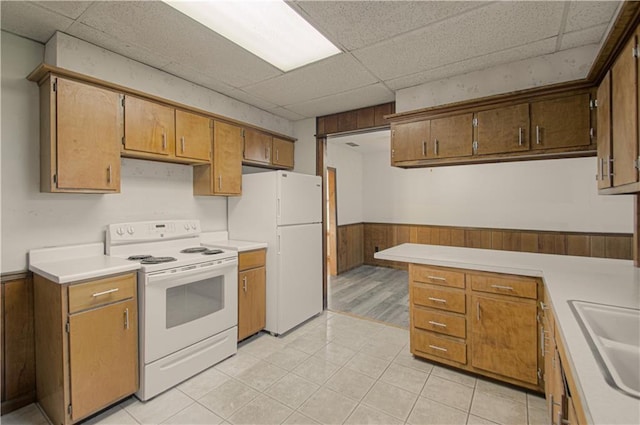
(614, 335)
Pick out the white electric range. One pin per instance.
(187, 296)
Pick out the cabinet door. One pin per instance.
(282, 153)
(251, 302)
(103, 356)
(193, 136)
(257, 146)
(503, 130)
(561, 123)
(451, 137)
(409, 141)
(89, 132)
(227, 159)
(503, 336)
(148, 126)
(604, 132)
(624, 113)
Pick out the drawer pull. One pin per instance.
(438, 300)
(110, 291)
(126, 318)
(442, 325)
(437, 278)
(435, 347)
(506, 288)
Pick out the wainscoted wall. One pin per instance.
(357, 243)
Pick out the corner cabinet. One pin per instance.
(265, 150)
(476, 321)
(81, 127)
(223, 175)
(252, 292)
(86, 345)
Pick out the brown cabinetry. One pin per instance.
(452, 137)
(193, 136)
(409, 141)
(149, 127)
(481, 322)
(283, 153)
(86, 345)
(603, 102)
(252, 294)
(561, 123)
(502, 130)
(257, 147)
(80, 134)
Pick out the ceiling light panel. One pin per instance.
(269, 29)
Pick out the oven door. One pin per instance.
(186, 305)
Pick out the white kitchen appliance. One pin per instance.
(284, 209)
(187, 297)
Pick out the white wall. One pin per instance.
(305, 148)
(556, 195)
(349, 194)
(150, 190)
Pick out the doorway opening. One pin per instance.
(332, 217)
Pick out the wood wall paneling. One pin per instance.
(366, 117)
(380, 111)
(18, 347)
(355, 119)
(350, 246)
(347, 121)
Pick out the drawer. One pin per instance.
(102, 291)
(505, 285)
(251, 259)
(430, 343)
(443, 323)
(437, 276)
(437, 297)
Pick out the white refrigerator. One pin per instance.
(284, 209)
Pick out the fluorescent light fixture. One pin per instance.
(269, 29)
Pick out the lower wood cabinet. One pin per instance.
(480, 322)
(252, 292)
(86, 345)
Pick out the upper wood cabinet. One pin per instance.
(257, 147)
(149, 127)
(603, 97)
(193, 135)
(223, 176)
(502, 130)
(451, 136)
(283, 153)
(80, 134)
(561, 123)
(409, 141)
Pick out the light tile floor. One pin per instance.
(334, 369)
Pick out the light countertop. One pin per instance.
(606, 281)
(220, 240)
(76, 263)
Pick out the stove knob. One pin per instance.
(193, 226)
(120, 231)
(131, 230)
(186, 226)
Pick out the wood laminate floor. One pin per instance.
(377, 293)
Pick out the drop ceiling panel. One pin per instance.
(361, 97)
(584, 14)
(476, 63)
(187, 73)
(330, 76)
(31, 21)
(286, 113)
(355, 24)
(486, 30)
(580, 38)
(159, 28)
(70, 9)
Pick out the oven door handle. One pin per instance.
(168, 279)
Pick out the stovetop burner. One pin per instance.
(212, 251)
(138, 257)
(157, 260)
(194, 250)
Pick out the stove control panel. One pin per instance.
(149, 231)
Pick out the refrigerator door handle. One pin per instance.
(278, 207)
(278, 244)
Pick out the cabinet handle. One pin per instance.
(609, 162)
(442, 325)
(519, 136)
(164, 140)
(601, 169)
(543, 306)
(109, 174)
(435, 146)
(424, 148)
(182, 143)
(435, 347)
(438, 300)
(542, 344)
(478, 310)
(220, 182)
(506, 288)
(126, 318)
(109, 291)
(437, 278)
(591, 133)
(244, 283)
(277, 154)
(537, 135)
(266, 152)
